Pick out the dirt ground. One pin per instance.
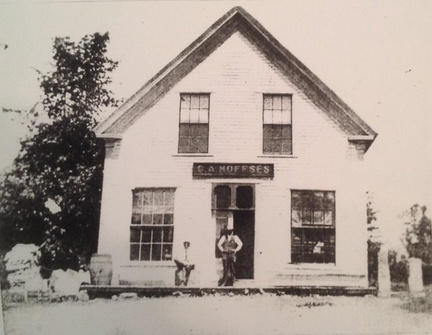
(239, 314)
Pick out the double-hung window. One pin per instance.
(277, 126)
(152, 224)
(194, 123)
(312, 226)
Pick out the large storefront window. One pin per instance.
(313, 226)
(152, 224)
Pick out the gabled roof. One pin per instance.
(237, 19)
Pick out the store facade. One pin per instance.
(236, 132)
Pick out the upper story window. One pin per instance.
(277, 126)
(194, 123)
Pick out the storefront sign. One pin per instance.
(232, 170)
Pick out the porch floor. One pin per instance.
(107, 291)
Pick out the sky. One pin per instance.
(374, 54)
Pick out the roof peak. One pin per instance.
(206, 44)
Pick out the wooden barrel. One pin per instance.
(101, 269)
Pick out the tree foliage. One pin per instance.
(373, 242)
(417, 236)
(61, 160)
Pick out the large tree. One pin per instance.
(60, 162)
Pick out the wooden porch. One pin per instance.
(107, 291)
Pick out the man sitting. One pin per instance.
(184, 267)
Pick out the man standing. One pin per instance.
(229, 244)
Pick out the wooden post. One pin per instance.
(384, 286)
(415, 279)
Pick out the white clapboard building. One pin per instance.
(236, 131)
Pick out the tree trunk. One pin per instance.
(384, 287)
(415, 279)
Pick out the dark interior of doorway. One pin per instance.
(244, 227)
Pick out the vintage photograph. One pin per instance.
(215, 167)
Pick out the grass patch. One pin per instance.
(420, 305)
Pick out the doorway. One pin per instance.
(244, 227)
(234, 207)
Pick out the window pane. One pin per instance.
(286, 103)
(194, 101)
(285, 117)
(158, 198)
(184, 130)
(204, 101)
(184, 145)
(135, 235)
(268, 131)
(318, 218)
(136, 218)
(306, 216)
(194, 115)
(277, 117)
(201, 145)
(168, 219)
(169, 198)
(145, 252)
(296, 245)
(329, 201)
(223, 196)
(268, 103)
(134, 252)
(276, 145)
(286, 147)
(277, 131)
(296, 218)
(184, 116)
(146, 235)
(328, 218)
(267, 146)
(167, 252)
(244, 198)
(185, 101)
(296, 202)
(147, 219)
(148, 198)
(156, 252)
(202, 131)
(277, 102)
(168, 234)
(158, 210)
(318, 201)
(157, 219)
(137, 199)
(286, 132)
(203, 116)
(157, 234)
(268, 117)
